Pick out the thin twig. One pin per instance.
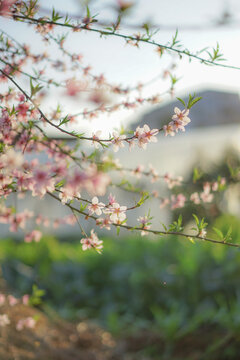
(155, 232)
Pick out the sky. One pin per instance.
(129, 65)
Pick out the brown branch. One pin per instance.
(155, 232)
(126, 37)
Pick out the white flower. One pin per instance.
(117, 213)
(118, 141)
(95, 207)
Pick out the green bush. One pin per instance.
(170, 285)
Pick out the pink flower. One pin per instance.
(96, 182)
(171, 182)
(177, 201)
(95, 207)
(117, 213)
(25, 299)
(155, 193)
(29, 322)
(95, 139)
(12, 300)
(164, 202)
(195, 198)
(118, 141)
(70, 220)
(150, 135)
(180, 120)
(206, 196)
(215, 186)
(5, 7)
(4, 320)
(5, 123)
(104, 222)
(145, 135)
(138, 171)
(86, 243)
(34, 235)
(74, 87)
(11, 159)
(41, 182)
(19, 220)
(169, 129)
(67, 194)
(153, 173)
(111, 199)
(202, 233)
(2, 299)
(22, 110)
(92, 242)
(144, 221)
(97, 244)
(222, 181)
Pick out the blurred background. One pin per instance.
(165, 298)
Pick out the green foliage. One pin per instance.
(200, 224)
(34, 89)
(192, 99)
(65, 120)
(36, 296)
(55, 16)
(197, 174)
(175, 41)
(165, 285)
(215, 55)
(176, 226)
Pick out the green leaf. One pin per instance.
(36, 297)
(218, 232)
(65, 120)
(174, 79)
(55, 16)
(34, 89)
(228, 236)
(182, 101)
(174, 39)
(196, 219)
(88, 12)
(83, 206)
(192, 100)
(176, 226)
(179, 220)
(60, 184)
(164, 226)
(144, 197)
(197, 174)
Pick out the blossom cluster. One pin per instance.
(92, 242)
(143, 136)
(114, 213)
(32, 163)
(179, 120)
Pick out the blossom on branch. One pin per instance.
(118, 141)
(117, 213)
(177, 201)
(92, 242)
(96, 207)
(180, 120)
(145, 135)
